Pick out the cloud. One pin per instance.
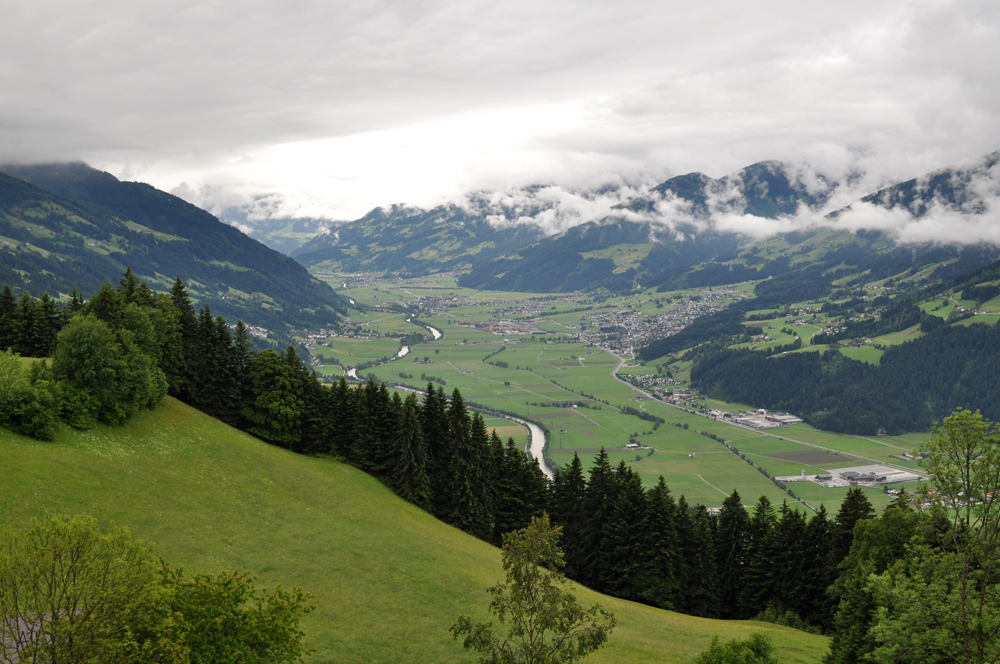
(330, 108)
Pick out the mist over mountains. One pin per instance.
(514, 238)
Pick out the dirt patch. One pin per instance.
(588, 433)
(812, 457)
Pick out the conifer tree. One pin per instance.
(731, 554)
(479, 441)
(664, 587)
(76, 300)
(435, 428)
(598, 504)
(50, 321)
(510, 503)
(629, 565)
(785, 587)
(465, 470)
(534, 485)
(342, 413)
(128, 286)
(243, 352)
(189, 338)
(814, 581)
(106, 306)
(702, 590)
(568, 491)
(876, 545)
(855, 508)
(760, 530)
(32, 338)
(409, 477)
(10, 320)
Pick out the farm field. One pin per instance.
(388, 578)
(541, 365)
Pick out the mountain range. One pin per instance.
(689, 231)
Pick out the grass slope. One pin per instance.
(389, 579)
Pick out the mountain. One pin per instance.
(411, 241)
(675, 237)
(971, 190)
(69, 224)
(284, 234)
(767, 189)
(660, 238)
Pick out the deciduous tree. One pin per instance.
(544, 623)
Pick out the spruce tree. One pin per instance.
(341, 405)
(786, 589)
(629, 569)
(435, 428)
(242, 353)
(598, 505)
(106, 306)
(855, 508)
(568, 491)
(10, 320)
(814, 581)
(702, 589)
(485, 506)
(364, 441)
(128, 286)
(33, 335)
(508, 503)
(188, 323)
(409, 476)
(76, 300)
(760, 530)
(465, 470)
(731, 554)
(50, 321)
(664, 557)
(876, 545)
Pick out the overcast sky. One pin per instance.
(335, 107)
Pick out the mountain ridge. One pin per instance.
(72, 224)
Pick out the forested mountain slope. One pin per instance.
(68, 224)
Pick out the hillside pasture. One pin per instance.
(388, 578)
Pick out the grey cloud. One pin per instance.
(863, 93)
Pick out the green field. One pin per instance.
(389, 579)
(547, 366)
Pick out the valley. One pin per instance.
(567, 361)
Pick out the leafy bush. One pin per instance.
(757, 649)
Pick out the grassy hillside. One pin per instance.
(389, 579)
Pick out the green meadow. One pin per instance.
(388, 579)
(540, 371)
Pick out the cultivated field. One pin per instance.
(541, 362)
